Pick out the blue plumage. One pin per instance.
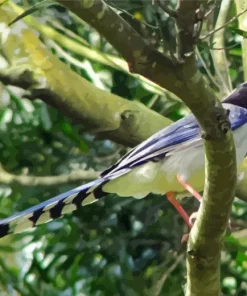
(155, 148)
(184, 130)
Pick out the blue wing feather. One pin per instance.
(171, 138)
(176, 136)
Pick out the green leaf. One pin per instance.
(45, 117)
(239, 32)
(3, 2)
(75, 136)
(236, 52)
(41, 5)
(5, 116)
(66, 128)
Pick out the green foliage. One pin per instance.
(36, 7)
(117, 246)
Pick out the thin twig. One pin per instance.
(199, 22)
(75, 176)
(85, 65)
(153, 101)
(165, 43)
(160, 283)
(222, 27)
(57, 25)
(225, 47)
(199, 14)
(212, 79)
(198, 29)
(220, 60)
(164, 6)
(109, 158)
(207, 14)
(134, 18)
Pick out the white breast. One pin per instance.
(160, 177)
(240, 139)
(190, 163)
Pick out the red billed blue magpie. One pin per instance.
(170, 162)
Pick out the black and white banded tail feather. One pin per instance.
(141, 171)
(53, 208)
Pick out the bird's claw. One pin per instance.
(193, 217)
(185, 238)
(192, 220)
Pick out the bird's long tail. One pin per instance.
(53, 208)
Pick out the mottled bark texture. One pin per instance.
(129, 122)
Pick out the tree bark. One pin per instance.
(45, 77)
(129, 123)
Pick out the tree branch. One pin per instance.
(88, 52)
(75, 46)
(241, 190)
(210, 76)
(157, 287)
(241, 9)
(75, 176)
(225, 25)
(206, 237)
(164, 5)
(151, 63)
(121, 35)
(219, 56)
(185, 81)
(36, 69)
(186, 18)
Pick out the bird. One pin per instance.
(171, 163)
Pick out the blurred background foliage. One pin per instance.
(117, 246)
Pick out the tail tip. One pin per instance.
(4, 229)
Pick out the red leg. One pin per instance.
(189, 188)
(171, 197)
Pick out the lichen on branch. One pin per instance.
(129, 122)
(45, 77)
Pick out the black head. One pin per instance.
(238, 97)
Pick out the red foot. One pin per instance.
(188, 220)
(178, 207)
(185, 238)
(189, 188)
